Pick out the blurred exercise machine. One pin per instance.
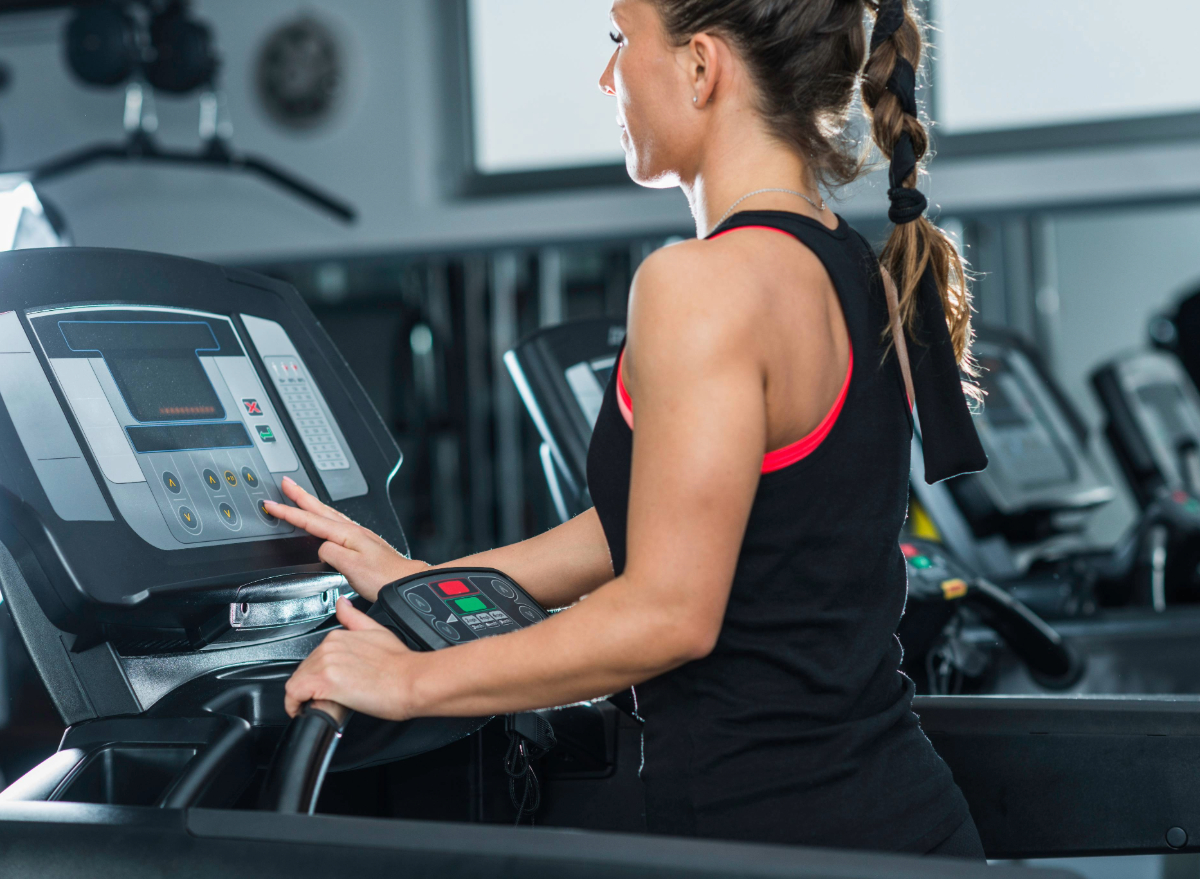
(1023, 523)
(1153, 423)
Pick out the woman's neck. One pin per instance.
(735, 170)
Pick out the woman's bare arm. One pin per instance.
(557, 568)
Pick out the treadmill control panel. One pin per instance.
(1153, 408)
(1038, 461)
(932, 574)
(443, 607)
(183, 432)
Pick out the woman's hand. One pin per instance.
(367, 560)
(363, 667)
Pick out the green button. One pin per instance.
(922, 562)
(1193, 506)
(470, 605)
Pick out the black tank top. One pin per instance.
(798, 727)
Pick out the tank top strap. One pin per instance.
(950, 445)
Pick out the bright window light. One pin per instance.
(535, 68)
(1032, 63)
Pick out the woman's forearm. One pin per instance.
(610, 641)
(558, 567)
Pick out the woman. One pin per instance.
(741, 564)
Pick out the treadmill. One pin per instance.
(1022, 524)
(148, 404)
(561, 373)
(1152, 414)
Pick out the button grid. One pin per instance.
(296, 391)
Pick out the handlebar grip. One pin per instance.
(1051, 660)
(294, 779)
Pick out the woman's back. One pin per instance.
(798, 726)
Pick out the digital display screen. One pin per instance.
(1166, 402)
(1002, 408)
(155, 365)
(187, 437)
(1021, 439)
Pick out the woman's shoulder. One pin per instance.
(733, 279)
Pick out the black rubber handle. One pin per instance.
(1049, 658)
(294, 779)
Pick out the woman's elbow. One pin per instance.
(693, 640)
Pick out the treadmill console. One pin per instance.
(933, 574)
(1153, 412)
(561, 373)
(1036, 445)
(443, 607)
(149, 407)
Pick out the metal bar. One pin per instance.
(551, 307)
(479, 402)
(510, 479)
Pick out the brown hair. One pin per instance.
(807, 58)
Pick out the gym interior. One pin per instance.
(394, 243)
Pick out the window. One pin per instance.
(534, 67)
(1023, 64)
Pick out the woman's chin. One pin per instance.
(650, 178)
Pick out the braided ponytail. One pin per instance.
(916, 246)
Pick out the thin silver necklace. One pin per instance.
(820, 207)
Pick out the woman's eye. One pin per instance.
(616, 38)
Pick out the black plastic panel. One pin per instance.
(101, 571)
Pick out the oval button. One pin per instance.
(212, 480)
(250, 476)
(447, 631)
(529, 613)
(228, 515)
(503, 588)
(418, 602)
(171, 481)
(267, 517)
(231, 479)
(188, 519)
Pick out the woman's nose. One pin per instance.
(607, 80)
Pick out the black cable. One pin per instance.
(516, 766)
(529, 737)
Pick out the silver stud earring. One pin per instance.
(695, 99)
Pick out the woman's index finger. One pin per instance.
(335, 531)
(307, 501)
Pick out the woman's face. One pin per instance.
(659, 121)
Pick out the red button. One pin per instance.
(909, 550)
(1179, 497)
(453, 587)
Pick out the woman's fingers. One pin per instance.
(340, 559)
(341, 533)
(306, 501)
(354, 619)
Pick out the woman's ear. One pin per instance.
(704, 65)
